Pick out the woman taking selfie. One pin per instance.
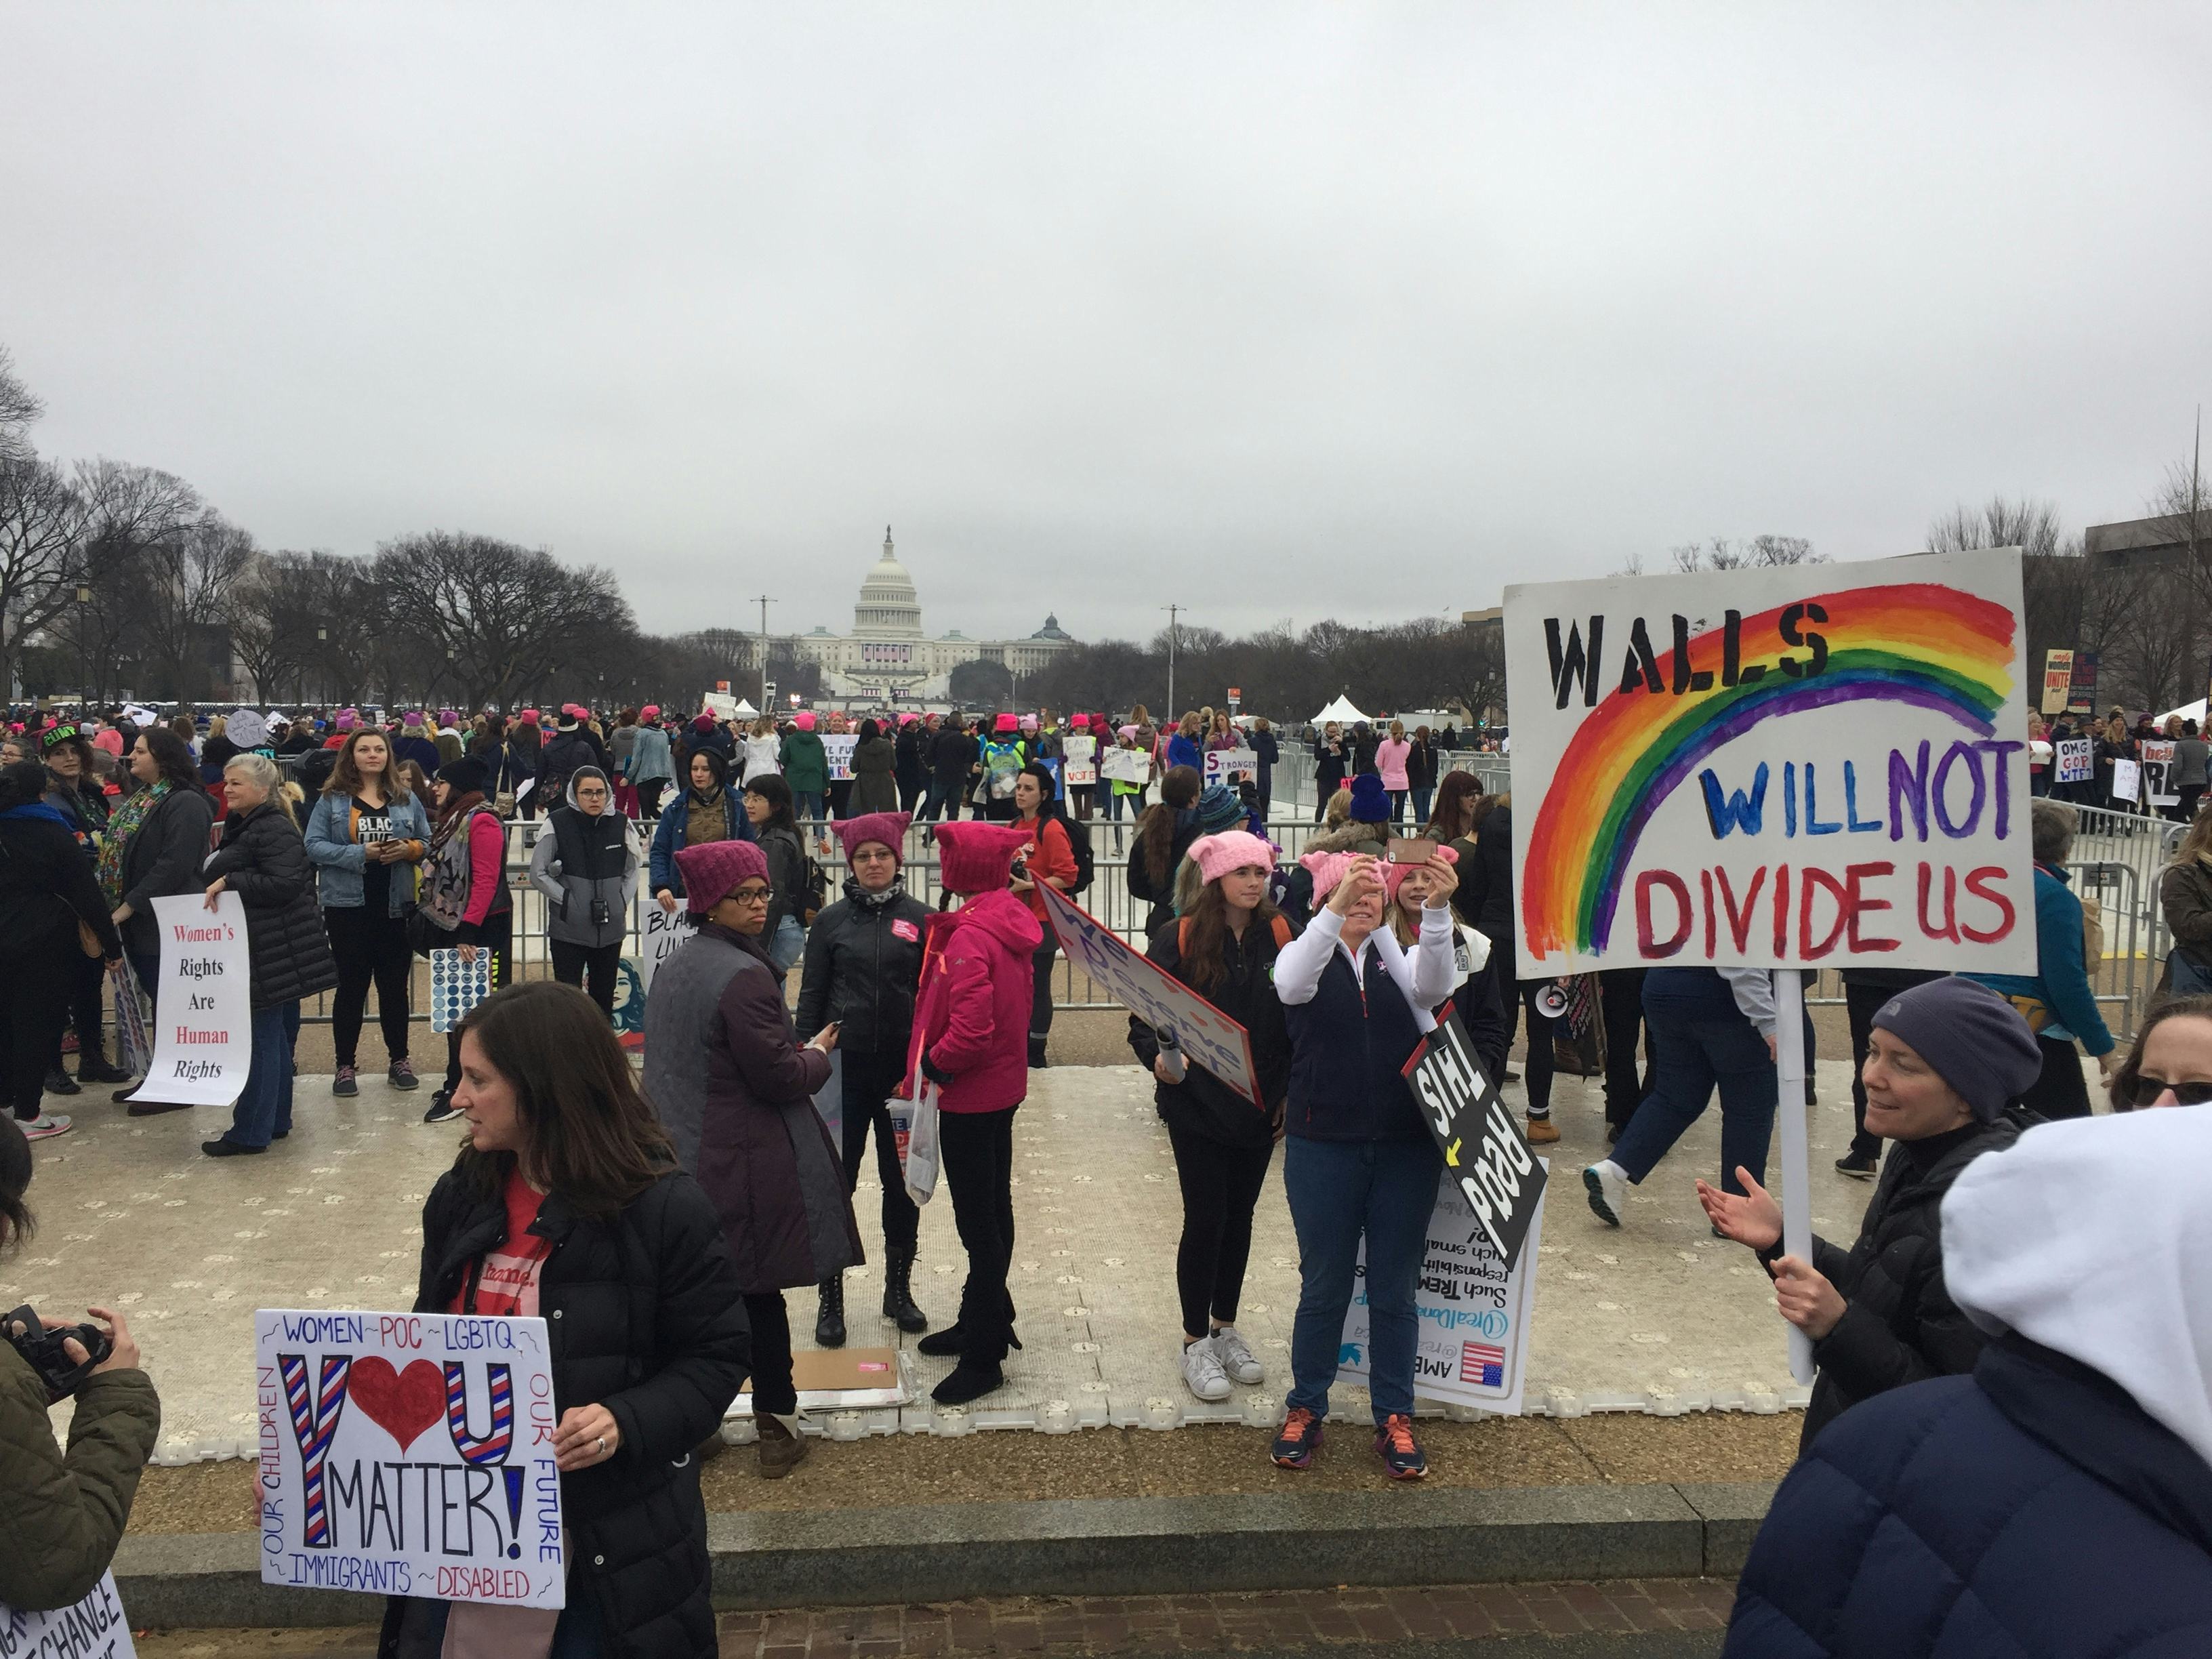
(1360, 1164)
(1224, 948)
(262, 861)
(586, 864)
(735, 1088)
(566, 1204)
(366, 835)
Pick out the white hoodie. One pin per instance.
(2093, 1236)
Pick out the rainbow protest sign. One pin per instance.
(1812, 765)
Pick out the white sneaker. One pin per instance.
(1235, 1356)
(1201, 1370)
(51, 1123)
(1607, 1183)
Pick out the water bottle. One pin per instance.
(1171, 1059)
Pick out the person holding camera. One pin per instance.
(65, 1510)
(50, 904)
(586, 864)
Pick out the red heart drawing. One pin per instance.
(401, 1403)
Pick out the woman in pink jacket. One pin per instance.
(1390, 757)
(465, 891)
(971, 1038)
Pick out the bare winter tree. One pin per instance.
(41, 545)
(187, 588)
(19, 409)
(1719, 553)
(2184, 504)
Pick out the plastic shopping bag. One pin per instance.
(134, 1040)
(913, 1125)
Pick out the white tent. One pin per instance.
(2187, 711)
(1340, 710)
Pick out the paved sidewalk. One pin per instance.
(1476, 1619)
(1658, 1316)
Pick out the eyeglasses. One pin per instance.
(2148, 1090)
(751, 895)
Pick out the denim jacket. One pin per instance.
(339, 859)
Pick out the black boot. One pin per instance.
(1037, 1060)
(948, 1342)
(898, 1292)
(830, 1323)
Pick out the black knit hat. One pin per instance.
(466, 776)
(1975, 1039)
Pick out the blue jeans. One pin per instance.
(1338, 1191)
(264, 1110)
(807, 805)
(788, 945)
(1700, 1039)
(1422, 796)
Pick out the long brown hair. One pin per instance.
(347, 778)
(595, 1138)
(1155, 833)
(1205, 925)
(1456, 799)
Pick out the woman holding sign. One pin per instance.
(263, 860)
(1360, 1165)
(1223, 948)
(566, 1204)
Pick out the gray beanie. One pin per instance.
(1975, 1039)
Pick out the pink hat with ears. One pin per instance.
(712, 869)
(1393, 874)
(803, 719)
(348, 719)
(650, 712)
(530, 717)
(908, 718)
(1328, 869)
(887, 829)
(1232, 849)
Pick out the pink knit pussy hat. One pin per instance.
(1232, 849)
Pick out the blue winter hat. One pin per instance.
(1218, 809)
(1370, 803)
(1974, 1039)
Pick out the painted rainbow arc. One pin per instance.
(1911, 644)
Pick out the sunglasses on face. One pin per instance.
(2149, 1089)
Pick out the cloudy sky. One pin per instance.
(1278, 311)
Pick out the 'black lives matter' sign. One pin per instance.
(1485, 1155)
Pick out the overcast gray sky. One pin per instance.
(1281, 311)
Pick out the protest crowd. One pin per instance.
(2018, 1333)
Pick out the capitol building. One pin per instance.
(888, 656)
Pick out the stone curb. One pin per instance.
(1073, 1546)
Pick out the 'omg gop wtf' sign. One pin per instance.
(408, 1455)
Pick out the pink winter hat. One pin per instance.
(348, 719)
(1328, 869)
(712, 869)
(1232, 849)
(1393, 874)
(803, 719)
(974, 857)
(529, 717)
(1005, 723)
(1028, 723)
(650, 712)
(887, 828)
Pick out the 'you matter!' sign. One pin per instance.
(1814, 764)
(408, 1455)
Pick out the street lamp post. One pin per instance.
(83, 659)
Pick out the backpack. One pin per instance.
(1002, 764)
(818, 890)
(1078, 841)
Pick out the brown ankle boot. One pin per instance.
(781, 1446)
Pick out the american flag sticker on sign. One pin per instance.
(1481, 1364)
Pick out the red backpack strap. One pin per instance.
(1281, 927)
(1183, 934)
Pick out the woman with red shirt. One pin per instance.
(1047, 856)
(969, 1029)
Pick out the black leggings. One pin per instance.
(869, 1079)
(84, 976)
(1041, 988)
(1220, 1187)
(648, 797)
(368, 948)
(774, 1393)
(1536, 1068)
(35, 1009)
(570, 963)
(978, 1150)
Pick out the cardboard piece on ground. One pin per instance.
(842, 1379)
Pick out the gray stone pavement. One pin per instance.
(1659, 1317)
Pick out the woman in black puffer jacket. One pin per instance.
(568, 1188)
(263, 860)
